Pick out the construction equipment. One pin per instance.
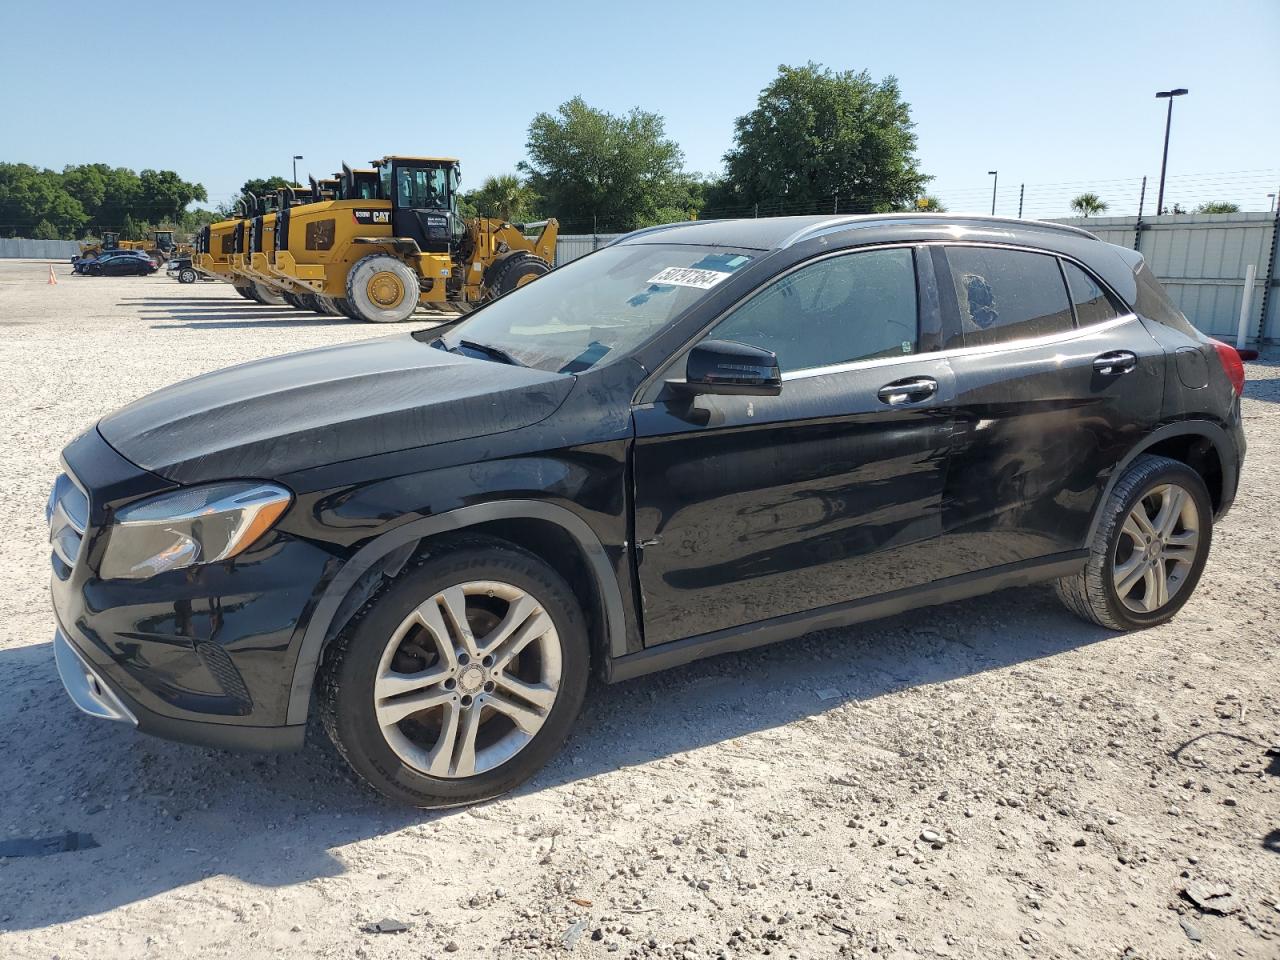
(160, 246)
(378, 258)
(110, 241)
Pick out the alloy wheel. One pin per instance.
(1156, 548)
(468, 679)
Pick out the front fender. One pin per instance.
(381, 548)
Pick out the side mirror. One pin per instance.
(729, 367)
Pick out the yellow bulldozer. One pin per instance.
(377, 258)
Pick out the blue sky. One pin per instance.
(1057, 95)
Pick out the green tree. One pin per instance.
(262, 187)
(1089, 205)
(1219, 206)
(45, 230)
(130, 229)
(817, 136)
(31, 195)
(591, 167)
(163, 195)
(927, 203)
(506, 198)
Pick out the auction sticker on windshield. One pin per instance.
(689, 277)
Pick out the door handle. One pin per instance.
(910, 390)
(1115, 363)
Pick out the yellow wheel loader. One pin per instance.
(110, 241)
(379, 258)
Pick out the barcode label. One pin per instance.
(689, 277)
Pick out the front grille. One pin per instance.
(68, 515)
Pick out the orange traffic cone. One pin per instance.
(53, 281)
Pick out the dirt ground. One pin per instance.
(988, 779)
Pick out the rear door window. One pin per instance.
(1092, 303)
(1006, 295)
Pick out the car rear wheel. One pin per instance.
(186, 275)
(1149, 549)
(461, 679)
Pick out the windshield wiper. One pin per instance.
(496, 352)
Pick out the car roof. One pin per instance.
(778, 233)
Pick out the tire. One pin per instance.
(1176, 538)
(516, 271)
(294, 300)
(247, 292)
(345, 308)
(327, 306)
(265, 295)
(413, 759)
(382, 289)
(186, 275)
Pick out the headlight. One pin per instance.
(196, 525)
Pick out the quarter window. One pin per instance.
(1092, 303)
(1007, 295)
(854, 307)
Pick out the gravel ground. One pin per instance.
(988, 779)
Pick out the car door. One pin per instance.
(754, 507)
(1055, 382)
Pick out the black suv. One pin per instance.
(701, 438)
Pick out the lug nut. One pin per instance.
(463, 659)
(490, 686)
(466, 699)
(488, 661)
(450, 683)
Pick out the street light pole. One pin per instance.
(1168, 122)
(996, 174)
(296, 158)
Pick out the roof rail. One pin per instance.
(868, 219)
(644, 231)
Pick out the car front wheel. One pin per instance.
(1149, 549)
(462, 679)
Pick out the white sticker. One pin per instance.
(689, 277)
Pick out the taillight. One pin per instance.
(1232, 365)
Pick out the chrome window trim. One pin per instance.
(657, 377)
(1026, 343)
(641, 395)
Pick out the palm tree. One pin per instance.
(505, 197)
(1088, 205)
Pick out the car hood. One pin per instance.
(283, 414)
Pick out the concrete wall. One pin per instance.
(21, 248)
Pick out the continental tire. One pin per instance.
(1149, 550)
(266, 295)
(516, 271)
(382, 289)
(461, 679)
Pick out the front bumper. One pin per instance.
(204, 655)
(87, 690)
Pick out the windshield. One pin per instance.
(597, 308)
(422, 188)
